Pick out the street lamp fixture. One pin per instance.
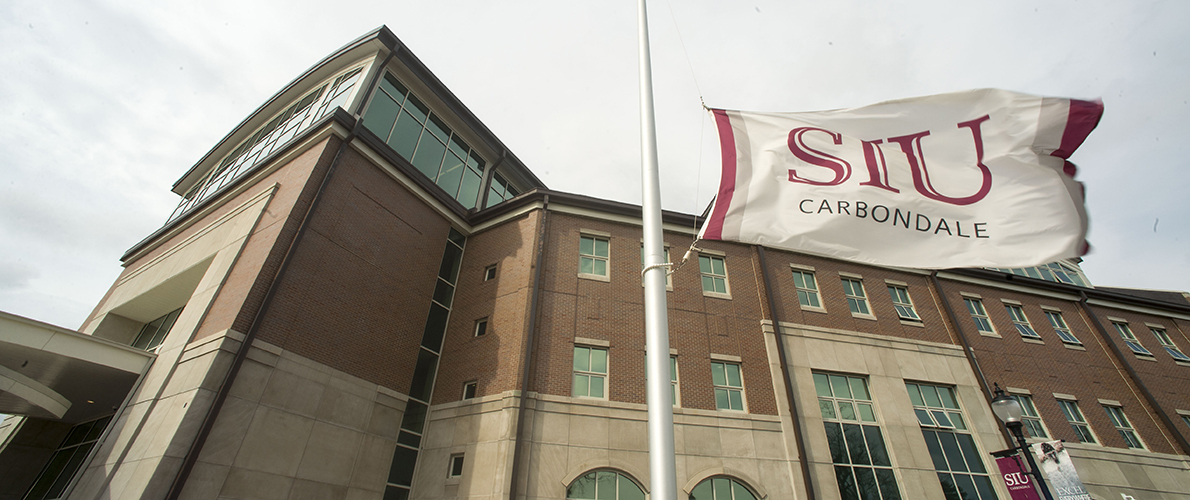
(1008, 410)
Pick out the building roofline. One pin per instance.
(390, 42)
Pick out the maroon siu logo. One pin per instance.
(878, 167)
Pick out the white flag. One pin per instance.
(969, 179)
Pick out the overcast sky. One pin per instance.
(103, 105)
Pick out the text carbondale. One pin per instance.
(899, 218)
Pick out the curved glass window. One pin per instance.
(1058, 272)
(604, 485)
(721, 488)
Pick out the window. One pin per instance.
(721, 488)
(714, 274)
(469, 389)
(1130, 339)
(1054, 271)
(273, 135)
(481, 327)
(1168, 344)
(1186, 419)
(593, 253)
(1029, 416)
(979, 316)
(1020, 321)
(590, 372)
(500, 190)
(489, 273)
(1077, 422)
(863, 468)
(1116, 414)
(729, 386)
(669, 279)
(604, 485)
(67, 459)
(956, 458)
(856, 300)
(673, 381)
(1060, 327)
(425, 371)
(901, 302)
(456, 465)
(153, 334)
(807, 288)
(419, 135)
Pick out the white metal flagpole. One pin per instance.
(662, 470)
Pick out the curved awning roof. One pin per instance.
(59, 374)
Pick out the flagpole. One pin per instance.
(662, 470)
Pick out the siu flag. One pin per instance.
(969, 179)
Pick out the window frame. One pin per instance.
(675, 388)
(457, 461)
(1020, 321)
(1166, 342)
(1060, 327)
(851, 284)
(949, 408)
(473, 385)
(712, 257)
(1077, 420)
(489, 273)
(902, 306)
(481, 327)
(1130, 339)
(1030, 417)
(804, 291)
(595, 484)
(705, 489)
(1115, 413)
(835, 392)
(669, 278)
(974, 303)
(590, 372)
(594, 257)
(727, 388)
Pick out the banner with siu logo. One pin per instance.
(968, 179)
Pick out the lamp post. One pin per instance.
(1008, 410)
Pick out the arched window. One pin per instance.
(721, 488)
(604, 485)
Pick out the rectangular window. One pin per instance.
(489, 273)
(714, 274)
(593, 253)
(481, 327)
(729, 386)
(956, 458)
(807, 288)
(153, 334)
(590, 372)
(1060, 327)
(862, 465)
(456, 465)
(1077, 422)
(469, 389)
(904, 306)
(1167, 343)
(1116, 414)
(1186, 419)
(1130, 339)
(979, 316)
(1029, 416)
(669, 279)
(1021, 322)
(673, 381)
(67, 459)
(856, 299)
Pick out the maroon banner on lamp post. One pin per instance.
(1019, 482)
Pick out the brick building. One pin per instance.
(364, 294)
